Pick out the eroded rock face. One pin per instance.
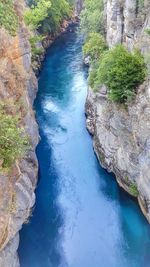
(126, 21)
(122, 135)
(17, 83)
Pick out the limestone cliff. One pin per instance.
(122, 136)
(18, 85)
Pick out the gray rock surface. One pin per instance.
(122, 135)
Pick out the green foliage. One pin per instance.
(141, 3)
(133, 190)
(36, 51)
(122, 72)
(92, 16)
(8, 17)
(13, 141)
(132, 187)
(60, 10)
(94, 46)
(37, 14)
(47, 15)
(93, 76)
(127, 179)
(72, 3)
(147, 31)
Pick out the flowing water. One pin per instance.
(81, 217)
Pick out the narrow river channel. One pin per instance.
(81, 217)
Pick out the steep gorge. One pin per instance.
(122, 135)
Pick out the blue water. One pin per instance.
(81, 217)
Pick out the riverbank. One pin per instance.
(103, 119)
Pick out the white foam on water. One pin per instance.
(50, 106)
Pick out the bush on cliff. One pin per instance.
(60, 10)
(122, 72)
(94, 46)
(8, 17)
(37, 13)
(36, 51)
(92, 16)
(13, 140)
(133, 190)
(47, 15)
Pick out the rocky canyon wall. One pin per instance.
(122, 135)
(18, 88)
(18, 84)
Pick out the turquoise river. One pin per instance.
(81, 217)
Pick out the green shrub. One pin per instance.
(35, 15)
(133, 190)
(13, 140)
(140, 3)
(8, 17)
(127, 179)
(94, 46)
(60, 10)
(147, 31)
(47, 15)
(36, 51)
(122, 72)
(92, 16)
(93, 76)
